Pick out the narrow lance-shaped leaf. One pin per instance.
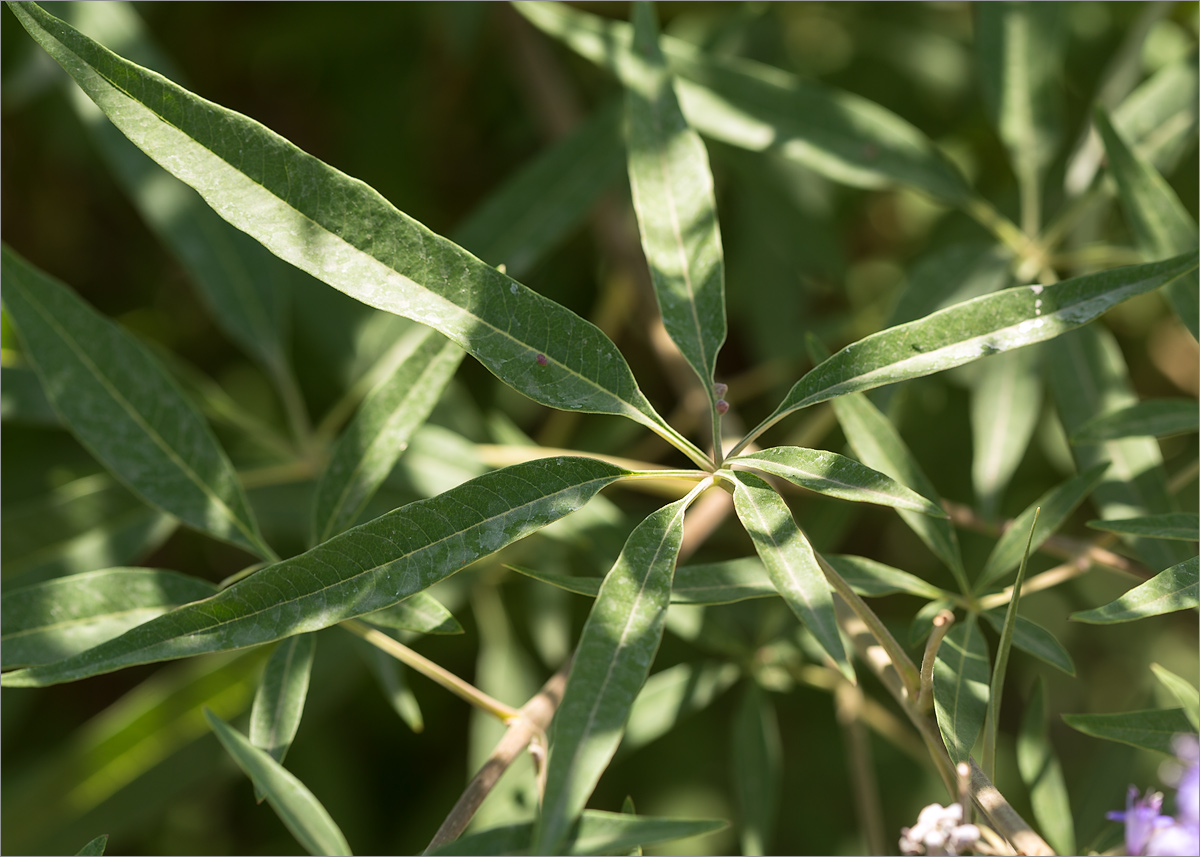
(976, 328)
(1160, 223)
(837, 476)
(367, 450)
(676, 207)
(1043, 774)
(790, 561)
(1179, 526)
(960, 687)
(420, 614)
(346, 234)
(1005, 403)
(1056, 506)
(759, 107)
(279, 701)
(611, 663)
(123, 406)
(365, 569)
(52, 620)
(1183, 690)
(756, 763)
(94, 848)
(1033, 639)
(1175, 588)
(301, 813)
(1148, 730)
(1152, 418)
(673, 694)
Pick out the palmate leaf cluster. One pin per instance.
(1010, 312)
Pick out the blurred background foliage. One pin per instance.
(436, 105)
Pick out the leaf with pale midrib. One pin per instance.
(365, 569)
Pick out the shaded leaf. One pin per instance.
(757, 765)
(673, 694)
(611, 663)
(346, 234)
(871, 578)
(1005, 403)
(58, 618)
(758, 107)
(389, 673)
(987, 325)
(1180, 526)
(124, 407)
(960, 687)
(1056, 506)
(711, 583)
(879, 445)
(1172, 589)
(837, 476)
(676, 207)
(95, 848)
(367, 450)
(1043, 775)
(1033, 639)
(295, 805)
(790, 562)
(363, 570)
(420, 613)
(595, 833)
(22, 400)
(1184, 691)
(1147, 730)
(1152, 418)
(279, 700)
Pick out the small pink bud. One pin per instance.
(541, 359)
(722, 406)
(719, 390)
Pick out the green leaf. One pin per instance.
(595, 833)
(1043, 775)
(757, 766)
(837, 476)
(1020, 49)
(1147, 730)
(878, 444)
(390, 674)
(676, 207)
(1180, 526)
(124, 407)
(790, 562)
(547, 198)
(1004, 412)
(1170, 590)
(295, 805)
(1159, 221)
(1153, 418)
(367, 450)
(1057, 504)
(673, 694)
(58, 618)
(1033, 639)
(611, 663)
(95, 848)
(987, 325)
(1184, 691)
(346, 234)
(1088, 376)
(762, 108)
(960, 687)
(363, 570)
(872, 579)
(420, 613)
(710, 583)
(22, 400)
(279, 701)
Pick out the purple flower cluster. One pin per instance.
(1147, 831)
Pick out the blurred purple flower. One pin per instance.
(1149, 833)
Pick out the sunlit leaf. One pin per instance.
(363, 570)
(1033, 639)
(58, 618)
(1147, 730)
(346, 234)
(295, 805)
(790, 562)
(611, 663)
(1153, 418)
(420, 613)
(123, 406)
(367, 450)
(279, 701)
(872, 579)
(673, 694)
(1172, 589)
(1180, 526)
(960, 687)
(675, 204)
(1043, 775)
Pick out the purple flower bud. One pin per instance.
(719, 390)
(541, 359)
(722, 406)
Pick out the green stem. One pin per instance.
(941, 626)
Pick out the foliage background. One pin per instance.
(434, 106)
